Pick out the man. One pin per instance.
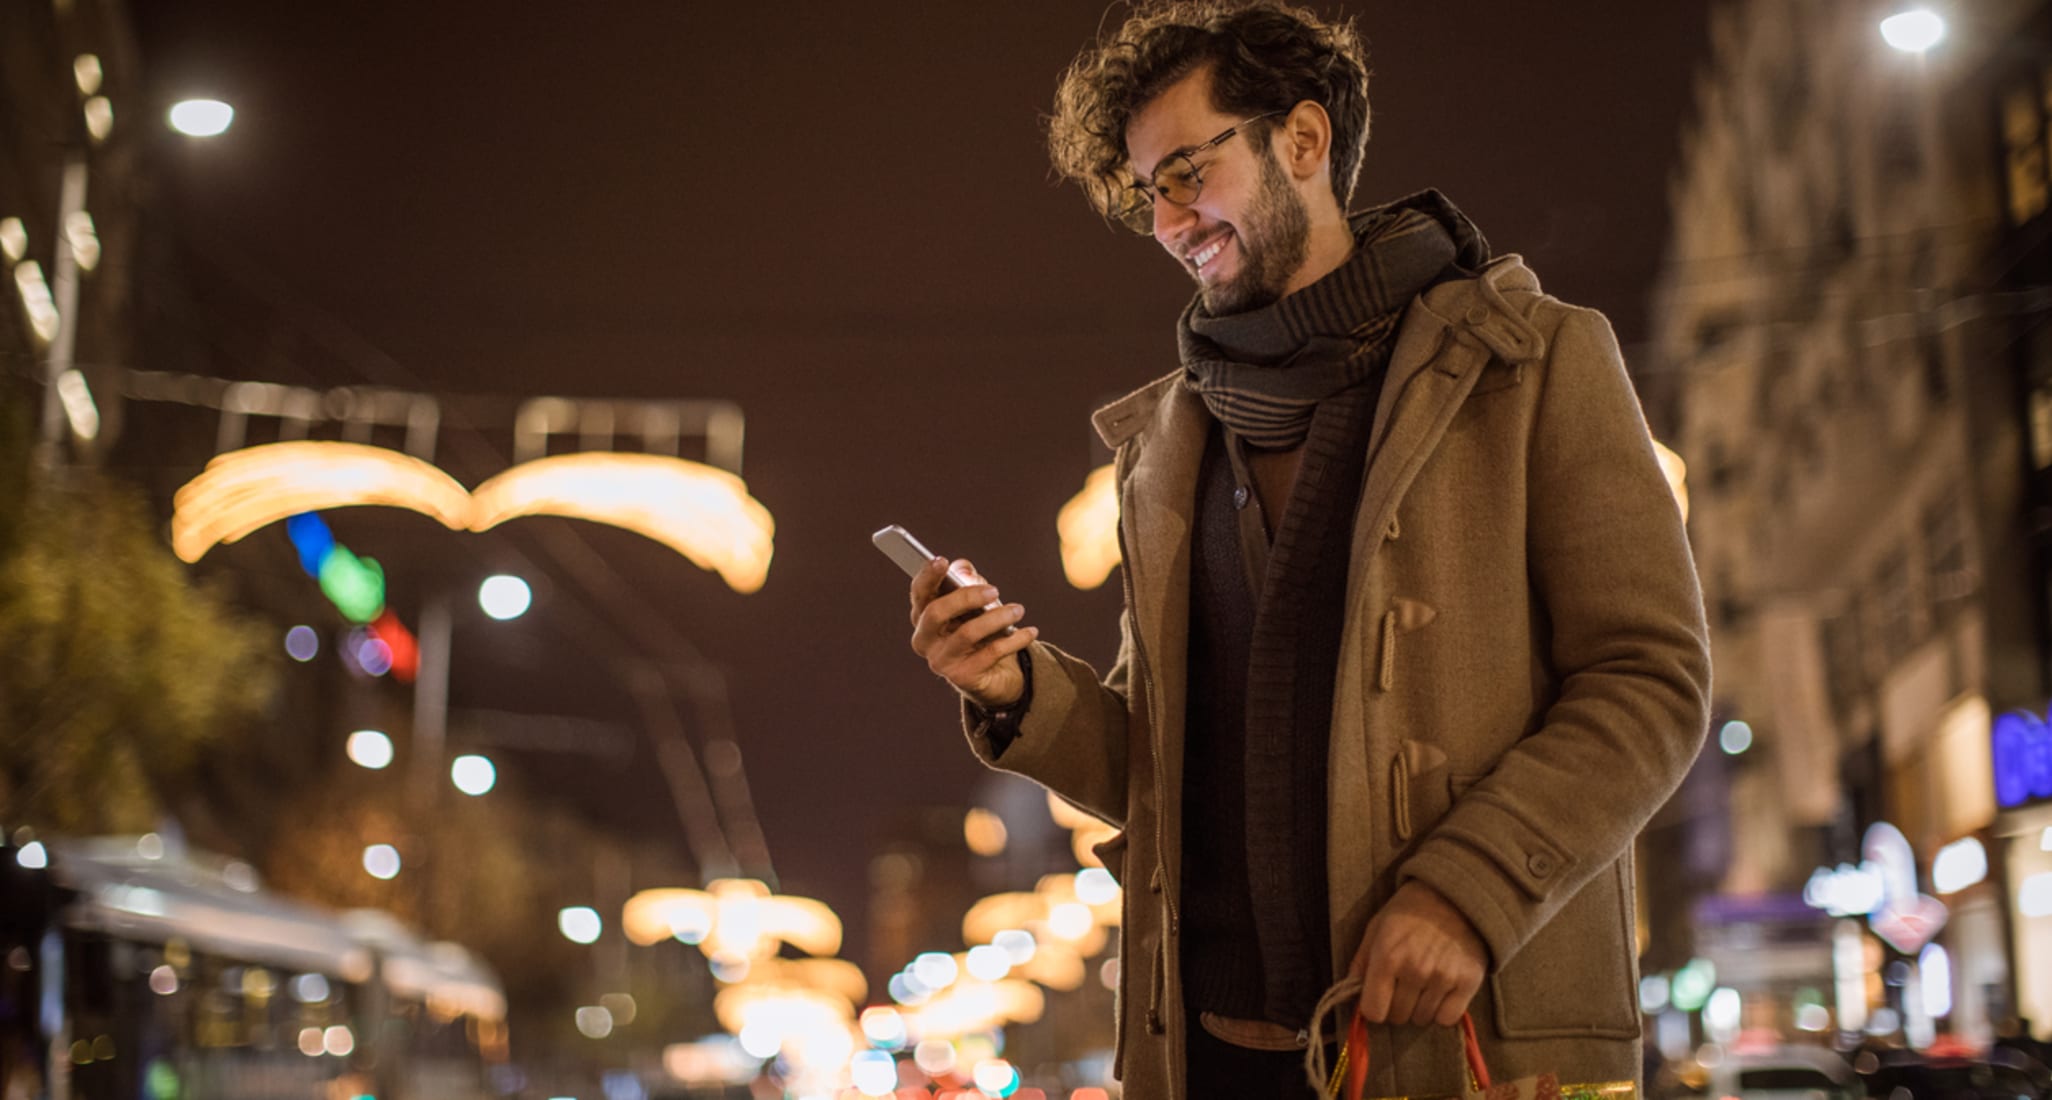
(1413, 645)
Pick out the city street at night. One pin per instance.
(1585, 578)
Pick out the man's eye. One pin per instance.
(1182, 177)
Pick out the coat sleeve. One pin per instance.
(1072, 738)
(1610, 567)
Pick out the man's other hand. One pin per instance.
(963, 644)
(1420, 961)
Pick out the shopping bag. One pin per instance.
(1345, 1078)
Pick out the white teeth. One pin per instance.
(1206, 254)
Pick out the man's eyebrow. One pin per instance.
(1179, 151)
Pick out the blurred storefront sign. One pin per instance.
(1883, 888)
(2022, 747)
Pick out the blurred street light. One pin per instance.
(201, 117)
(579, 924)
(473, 774)
(382, 861)
(66, 397)
(370, 749)
(504, 596)
(303, 643)
(1913, 31)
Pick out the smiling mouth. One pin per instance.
(1203, 256)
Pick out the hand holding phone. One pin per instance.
(899, 545)
(966, 635)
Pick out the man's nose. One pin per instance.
(1170, 221)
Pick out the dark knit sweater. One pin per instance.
(1262, 672)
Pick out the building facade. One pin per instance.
(1831, 360)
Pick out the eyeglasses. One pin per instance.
(1177, 179)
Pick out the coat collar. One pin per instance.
(1477, 308)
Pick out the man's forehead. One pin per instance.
(1182, 116)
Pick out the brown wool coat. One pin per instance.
(1524, 679)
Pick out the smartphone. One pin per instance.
(899, 546)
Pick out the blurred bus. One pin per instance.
(129, 972)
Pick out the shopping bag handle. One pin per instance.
(1346, 1077)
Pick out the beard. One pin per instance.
(1274, 239)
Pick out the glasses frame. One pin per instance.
(1137, 212)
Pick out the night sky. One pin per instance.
(839, 216)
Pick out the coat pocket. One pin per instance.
(1420, 791)
(1574, 977)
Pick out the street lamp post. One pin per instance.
(64, 274)
(431, 708)
(71, 198)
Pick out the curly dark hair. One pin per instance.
(1266, 55)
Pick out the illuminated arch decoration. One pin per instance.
(701, 512)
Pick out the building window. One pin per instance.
(1952, 573)
(1844, 676)
(2023, 134)
(1892, 608)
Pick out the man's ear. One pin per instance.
(1307, 140)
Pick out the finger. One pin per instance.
(962, 653)
(1008, 644)
(1403, 1001)
(979, 630)
(939, 618)
(1377, 987)
(962, 566)
(926, 585)
(1432, 996)
(962, 604)
(1451, 1008)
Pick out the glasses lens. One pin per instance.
(1177, 181)
(1138, 211)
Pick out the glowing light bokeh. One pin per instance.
(984, 832)
(701, 512)
(1677, 473)
(338, 1041)
(1017, 944)
(242, 491)
(381, 861)
(1089, 529)
(370, 749)
(503, 596)
(936, 970)
(201, 117)
(1913, 31)
(474, 775)
(1070, 920)
(579, 923)
(1957, 866)
(32, 856)
(739, 918)
(1095, 886)
(996, 1077)
(874, 1073)
(594, 1022)
(302, 643)
(884, 1027)
(935, 1056)
(987, 963)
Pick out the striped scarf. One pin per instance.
(1263, 372)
